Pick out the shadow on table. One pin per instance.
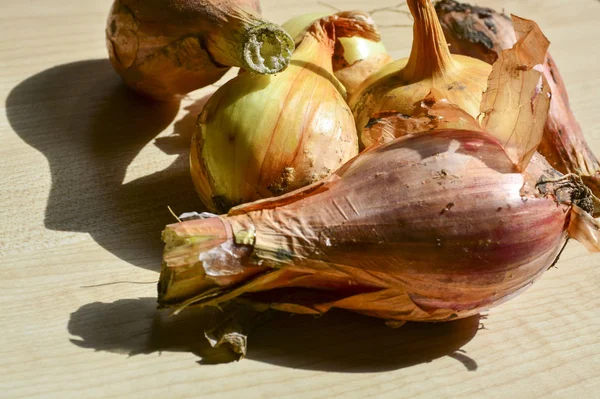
(338, 341)
(90, 127)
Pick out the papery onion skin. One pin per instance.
(401, 85)
(428, 228)
(260, 136)
(354, 58)
(166, 48)
(483, 33)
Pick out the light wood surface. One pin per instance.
(86, 172)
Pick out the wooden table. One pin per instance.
(87, 170)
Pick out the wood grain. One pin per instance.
(87, 171)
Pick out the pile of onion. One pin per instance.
(435, 223)
(354, 58)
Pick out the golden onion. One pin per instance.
(265, 135)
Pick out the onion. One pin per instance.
(167, 48)
(260, 136)
(400, 86)
(355, 58)
(513, 108)
(428, 227)
(431, 226)
(483, 33)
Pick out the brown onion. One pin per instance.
(167, 48)
(483, 33)
(427, 227)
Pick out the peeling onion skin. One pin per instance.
(166, 48)
(482, 33)
(426, 228)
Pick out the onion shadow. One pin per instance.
(90, 127)
(338, 341)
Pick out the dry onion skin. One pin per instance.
(167, 48)
(483, 33)
(355, 58)
(260, 136)
(401, 85)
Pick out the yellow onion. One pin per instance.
(483, 33)
(514, 107)
(167, 48)
(355, 58)
(478, 32)
(401, 85)
(260, 136)
(428, 227)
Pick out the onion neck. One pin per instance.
(253, 44)
(429, 54)
(316, 51)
